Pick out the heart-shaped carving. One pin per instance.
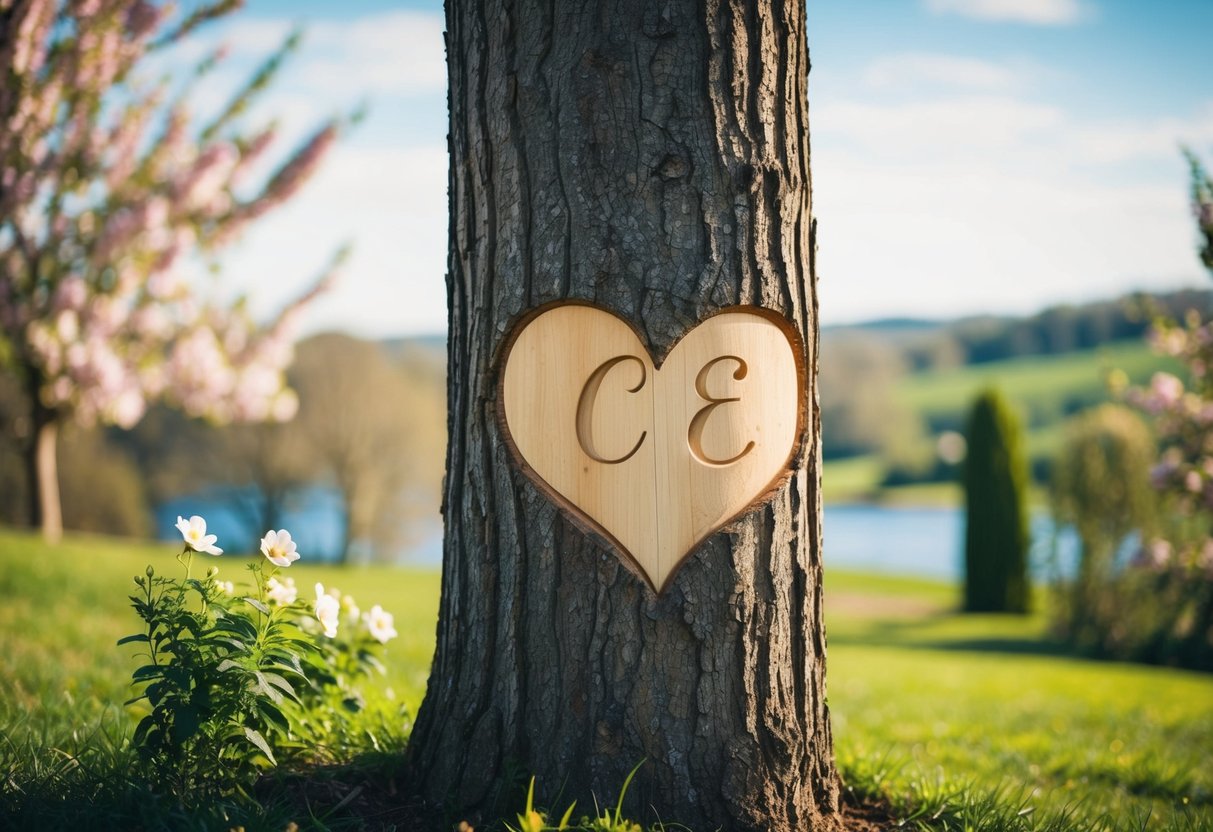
(657, 458)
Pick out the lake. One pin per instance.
(922, 542)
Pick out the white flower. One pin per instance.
(194, 533)
(281, 593)
(380, 623)
(328, 610)
(226, 587)
(279, 548)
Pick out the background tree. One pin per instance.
(860, 411)
(652, 158)
(374, 426)
(270, 462)
(1101, 487)
(106, 185)
(996, 522)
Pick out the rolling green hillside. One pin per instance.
(1046, 389)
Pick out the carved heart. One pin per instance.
(656, 458)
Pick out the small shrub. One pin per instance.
(1101, 488)
(238, 679)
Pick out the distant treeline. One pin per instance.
(1053, 331)
(863, 368)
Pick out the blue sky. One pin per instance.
(968, 155)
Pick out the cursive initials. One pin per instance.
(589, 396)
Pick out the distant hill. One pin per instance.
(1057, 330)
(430, 344)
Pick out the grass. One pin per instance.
(975, 721)
(928, 701)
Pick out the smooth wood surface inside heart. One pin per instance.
(657, 458)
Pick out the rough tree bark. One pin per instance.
(653, 158)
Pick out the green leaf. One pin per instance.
(273, 715)
(148, 671)
(254, 736)
(568, 813)
(290, 658)
(154, 693)
(282, 684)
(141, 730)
(138, 637)
(264, 687)
(257, 605)
(237, 625)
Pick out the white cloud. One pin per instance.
(915, 70)
(934, 241)
(962, 203)
(1036, 12)
(1132, 140)
(398, 52)
(395, 52)
(957, 128)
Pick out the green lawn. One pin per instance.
(926, 699)
(929, 707)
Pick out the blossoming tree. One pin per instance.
(107, 185)
(1182, 413)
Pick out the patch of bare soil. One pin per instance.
(859, 815)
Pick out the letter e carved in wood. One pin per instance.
(657, 458)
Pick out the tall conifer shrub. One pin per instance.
(995, 478)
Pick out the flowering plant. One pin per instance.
(237, 676)
(1178, 564)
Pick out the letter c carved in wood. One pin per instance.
(585, 409)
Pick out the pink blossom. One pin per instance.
(60, 391)
(71, 294)
(151, 322)
(67, 326)
(127, 408)
(1165, 392)
(162, 285)
(209, 175)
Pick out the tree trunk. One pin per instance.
(653, 159)
(42, 475)
(41, 466)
